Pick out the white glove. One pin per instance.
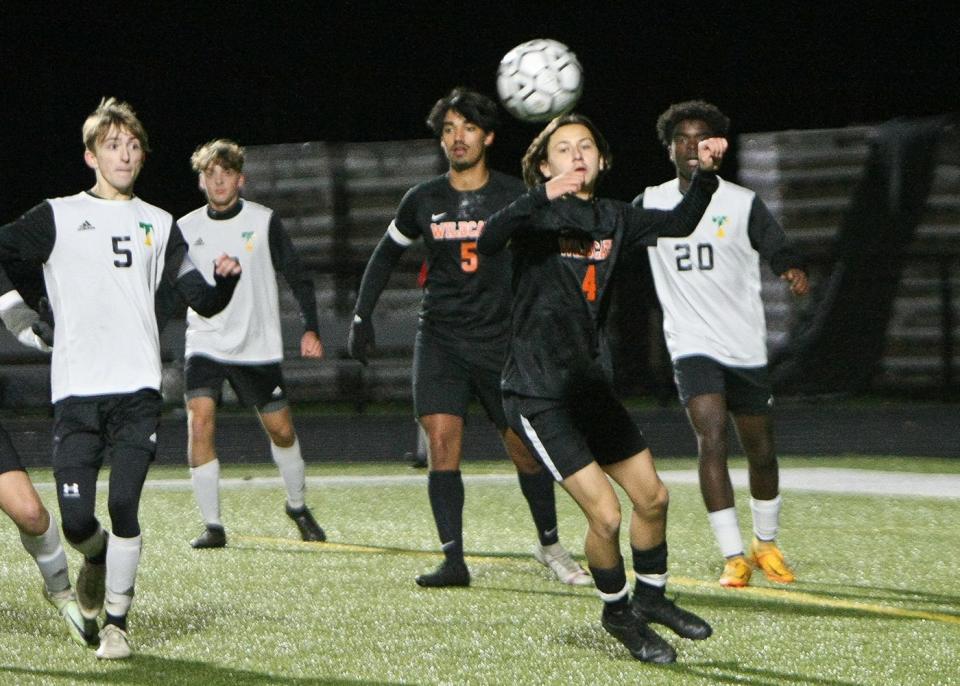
(22, 321)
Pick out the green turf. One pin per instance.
(877, 601)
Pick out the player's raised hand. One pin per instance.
(710, 152)
(311, 345)
(570, 181)
(360, 339)
(226, 266)
(797, 278)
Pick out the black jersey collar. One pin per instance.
(229, 214)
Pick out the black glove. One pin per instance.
(360, 339)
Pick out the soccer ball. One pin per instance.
(539, 80)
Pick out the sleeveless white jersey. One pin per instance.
(247, 330)
(708, 283)
(101, 278)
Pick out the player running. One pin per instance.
(105, 253)
(557, 393)
(18, 498)
(463, 330)
(242, 344)
(708, 284)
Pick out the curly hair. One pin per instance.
(537, 152)
(718, 122)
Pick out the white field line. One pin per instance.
(820, 480)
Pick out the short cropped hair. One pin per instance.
(472, 106)
(222, 151)
(537, 152)
(112, 113)
(716, 120)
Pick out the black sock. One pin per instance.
(538, 490)
(610, 581)
(120, 622)
(446, 500)
(650, 561)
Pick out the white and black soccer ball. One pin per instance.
(539, 80)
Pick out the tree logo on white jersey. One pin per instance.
(720, 220)
(147, 233)
(248, 238)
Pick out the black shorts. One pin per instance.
(568, 435)
(448, 374)
(123, 425)
(256, 385)
(9, 457)
(747, 389)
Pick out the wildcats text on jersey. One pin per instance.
(456, 230)
(586, 249)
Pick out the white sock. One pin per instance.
(726, 529)
(48, 553)
(206, 491)
(612, 597)
(92, 546)
(123, 558)
(290, 463)
(655, 580)
(766, 518)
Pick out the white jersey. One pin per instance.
(101, 276)
(247, 331)
(708, 283)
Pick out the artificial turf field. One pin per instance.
(877, 601)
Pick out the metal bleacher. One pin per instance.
(807, 179)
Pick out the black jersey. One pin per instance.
(466, 295)
(564, 255)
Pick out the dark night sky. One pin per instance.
(287, 72)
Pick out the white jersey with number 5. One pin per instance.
(101, 277)
(708, 283)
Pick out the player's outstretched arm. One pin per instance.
(516, 216)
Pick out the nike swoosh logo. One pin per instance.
(551, 533)
(437, 217)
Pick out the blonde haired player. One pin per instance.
(105, 255)
(242, 344)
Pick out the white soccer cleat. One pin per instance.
(562, 564)
(66, 604)
(114, 644)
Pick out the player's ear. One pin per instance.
(201, 182)
(545, 169)
(90, 159)
(241, 180)
(488, 139)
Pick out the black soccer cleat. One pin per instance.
(662, 610)
(212, 537)
(417, 460)
(644, 643)
(309, 529)
(447, 574)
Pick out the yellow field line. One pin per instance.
(785, 595)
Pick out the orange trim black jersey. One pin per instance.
(565, 253)
(466, 295)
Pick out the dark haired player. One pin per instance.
(464, 327)
(557, 393)
(105, 255)
(242, 343)
(708, 284)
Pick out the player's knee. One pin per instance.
(655, 506)
(283, 437)
(605, 522)
(202, 427)
(32, 518)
